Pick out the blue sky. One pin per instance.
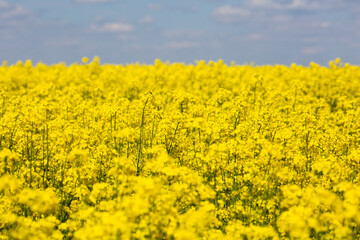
(128, 31)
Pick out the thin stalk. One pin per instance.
(138, 160)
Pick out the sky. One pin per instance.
(263, 32)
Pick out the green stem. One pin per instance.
(138, 160)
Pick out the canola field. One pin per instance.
(179, 151)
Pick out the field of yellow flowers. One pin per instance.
(175, 151)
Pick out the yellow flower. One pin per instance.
(85, 60)
(179, 151)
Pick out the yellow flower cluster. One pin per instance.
(175, 151)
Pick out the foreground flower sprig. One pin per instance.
(174, 151)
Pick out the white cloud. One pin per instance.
(3, 4)
(325, 24)
(262, 3)
(8, 12)
(251, 37)
(230, 13)
(93, 1)
(314, 24)
(113, 27)
(294, 4)
(146, 19)
(312, 50)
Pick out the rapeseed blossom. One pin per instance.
(175, 151)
